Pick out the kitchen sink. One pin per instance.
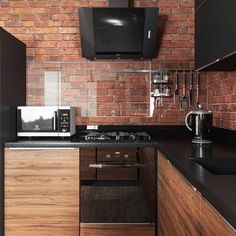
(218, 166)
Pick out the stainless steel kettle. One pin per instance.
(201, 125)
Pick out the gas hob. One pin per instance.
(92, 136)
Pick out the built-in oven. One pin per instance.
(45, 121)
(118, 189)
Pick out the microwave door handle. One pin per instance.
(55, 121)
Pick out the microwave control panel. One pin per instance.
(64, 121)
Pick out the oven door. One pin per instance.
(36, 119)
(124, 191)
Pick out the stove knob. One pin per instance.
(108, 156)
(126, 156)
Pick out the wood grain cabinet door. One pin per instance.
(213, 224)
(182, 211)
(42, 192)
(178, 203)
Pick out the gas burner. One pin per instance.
(114, 136)
(96, 136)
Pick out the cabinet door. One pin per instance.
(198, 3)
(42, 192)
(182, 210)
(178, 203)
(166, 214)
(228, 27)
(207, 31)
(213, 223)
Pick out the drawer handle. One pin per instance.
(41, 148)
(100, 165)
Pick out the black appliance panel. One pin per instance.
(136, 38)
(118, 31)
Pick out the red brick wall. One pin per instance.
(222, 98)
(50, 30)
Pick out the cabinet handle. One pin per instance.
(100, 165)
(230, 54)
(41, 148)
(211, 63)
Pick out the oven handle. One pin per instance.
(100, 165)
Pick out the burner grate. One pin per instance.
(114, 136)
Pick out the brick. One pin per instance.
(50, 29)
(53, 37)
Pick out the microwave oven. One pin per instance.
(45, 121)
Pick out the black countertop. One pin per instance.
(175, 143)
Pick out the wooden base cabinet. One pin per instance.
(42, 192)
(182, 210)
(116, 230)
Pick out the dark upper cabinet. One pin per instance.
(207, 34)
(228, 27)
(198, 3)
(215, 35)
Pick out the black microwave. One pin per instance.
(45, 121)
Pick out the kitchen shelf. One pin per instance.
(153, 71)
(161, 82)
(160, 95)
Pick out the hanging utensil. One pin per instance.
(197, 85)
(176, 92)
(190, 88)
(184, 100)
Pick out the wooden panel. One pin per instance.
(182, 210)
(87, 156)
(212, 223)
(186, 204)
(116, 230)
(178, 204)
(166, 213)
(41, 192)
(148, 174)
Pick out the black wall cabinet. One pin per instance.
(12, 94)
(215, 35)
(198, 3)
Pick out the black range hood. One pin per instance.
(118, 32)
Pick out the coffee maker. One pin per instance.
(201, 125)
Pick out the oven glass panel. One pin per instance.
(122, 188)
(36, 119)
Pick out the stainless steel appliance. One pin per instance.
(45, 121)
(201, 125)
